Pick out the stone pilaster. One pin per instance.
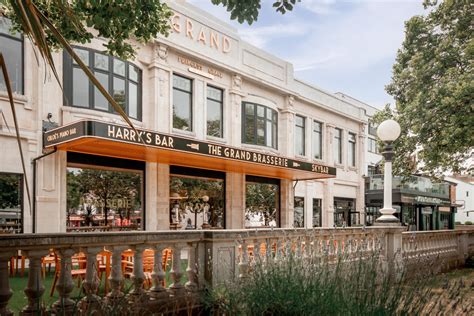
(286, 203)
(361, 170)
(286, 128)
(328, 186)
(163, 196)
(234, 112)
(159, 90)
(235, 200)
(151, 193)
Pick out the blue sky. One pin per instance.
(344, 46)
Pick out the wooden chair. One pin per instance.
(49, 260)
(103, 266)
(17, 262)
(78, 270)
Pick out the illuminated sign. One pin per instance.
(170, 142)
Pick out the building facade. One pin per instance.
(464, 197)
(225, 137)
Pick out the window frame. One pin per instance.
(191, 99)
(373, 141)
(274, 125)
(70, 65)
(303, 128)
(352, 144)
(21, 192)
(320, 207)
(320, 137)
(20, 39)
(338, 139)
(221, 102)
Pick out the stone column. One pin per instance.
(35, 288)
(361, 170)
(64, 305)
(151, 192)
(163, 197)
(233, 112)
(328, 186)
(235, 200)
(5, 290)
(286, 203)
(160, 80)
(286, 128)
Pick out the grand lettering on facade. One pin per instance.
(149, 138)
(200, 33)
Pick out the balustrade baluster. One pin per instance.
(35, 288)
(256, 251)
(64, 305)
(137, 294)
(5, 290)
(278, 250)
(191, 284)
(158, 275)
(244, 261)
(91, 282)
(175, 272)
(116, 277)
(298, 245)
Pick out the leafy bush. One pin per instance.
(467, 223)
(457, 223)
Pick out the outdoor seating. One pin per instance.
(78, 270)
(17, 262)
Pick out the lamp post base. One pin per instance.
(387, 218)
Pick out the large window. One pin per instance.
(259, 125)
(351, 150)
(317, 140)
(214, 112)
(299, 135)
(121, 79)
(182, 103)
(299, 212)
(197, 198)
(338, 145)
(317, 213)
(11, 46)
(372, 146)
(262, 202)
(11, 203)
(105, 196)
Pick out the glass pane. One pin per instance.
(260, 131)
(261, 205)
(99, 99)
(317, 126)
(80, 88)
(133, 73)
(11, 197)
(182, 110)
(274, 139)
(298, 212)
(101, 61)
(83, 55)
(269, 140)
(299, 120)
(115, 200)
(196, 202)
(182, 83)
(214, 93)
(260, 111)
(132, 100)
(119, 91)
(299, 141)
(119, 67)
(249, 109)
(316, 212)
(317, 145)
(12, 53)
(249, 132)
(337, 151)
(214, 118)
(275, 116)
(5, 28)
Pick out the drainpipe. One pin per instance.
(33, 161)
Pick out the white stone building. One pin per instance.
(221, 122)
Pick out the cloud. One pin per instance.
(319, 7)
(261, 36)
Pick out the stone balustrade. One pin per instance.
(197, 258)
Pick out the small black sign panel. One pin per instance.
(126, 134)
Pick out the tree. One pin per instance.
(433, 86)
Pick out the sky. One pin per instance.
(344, 46)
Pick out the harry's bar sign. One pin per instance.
(126, 134)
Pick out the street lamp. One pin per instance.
(388, 131)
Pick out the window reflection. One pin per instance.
(261, 202)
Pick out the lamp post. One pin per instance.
(388, 131)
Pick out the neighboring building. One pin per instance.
(464, 197)
(222, 124)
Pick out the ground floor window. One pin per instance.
(299, 212)
(11, 203)
(345, 213)
(262, 202)
(371, 215)
(409, 216)
(107, 195)
(317, 211)
(197, 198)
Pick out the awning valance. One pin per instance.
(107, 139)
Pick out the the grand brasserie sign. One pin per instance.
(121, 133)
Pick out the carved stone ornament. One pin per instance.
(290, 101)
(236, 82)
(161, 51)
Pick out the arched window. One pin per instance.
(259, 125)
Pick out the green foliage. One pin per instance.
(117, 21)
(247, 10)
(10, 191)
(467, 223)
(433, 85)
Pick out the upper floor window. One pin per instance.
(317, 140)
(338, 145)
(182, 103)
(372, 128)
(299, 135)
(372, 146)
(214, 112)
(120, 78)
(259, 125)
(351, 150)
(11, 46)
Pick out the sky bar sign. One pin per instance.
(95, 129)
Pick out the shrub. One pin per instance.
(457, 223)
(467, 223)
